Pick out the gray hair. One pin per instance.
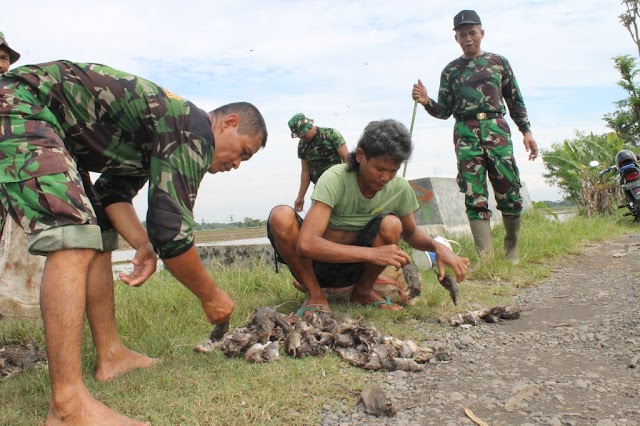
(387, 138)
(251, 121)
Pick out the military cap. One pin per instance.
(13, 55)
(466, 17)
(300, 125)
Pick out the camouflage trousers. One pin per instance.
(484, 148)
(41, 188)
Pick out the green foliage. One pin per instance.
(625, 121)
(163, 319)
(540, 205)
(567, 163)
(629, 20)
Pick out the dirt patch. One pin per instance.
(571, 359)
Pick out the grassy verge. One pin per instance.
(163, 319)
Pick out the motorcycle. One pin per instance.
(628, 177)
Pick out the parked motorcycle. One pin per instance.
(628, 177)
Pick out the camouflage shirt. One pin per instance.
(122, 126)
(470, 86)
(322, 151)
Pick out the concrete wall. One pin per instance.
(442, 209)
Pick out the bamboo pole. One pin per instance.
(413, 119)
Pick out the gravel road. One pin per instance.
(569, 360)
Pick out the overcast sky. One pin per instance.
(342, 63)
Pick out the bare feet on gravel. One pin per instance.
(85, 410)
(121, 362)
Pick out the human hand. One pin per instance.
(144, 265)
(531, 146)
(419, 93)
(390, 255)
(220, 308)
(298, 204)
(446, 257)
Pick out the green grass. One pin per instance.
(163, 319)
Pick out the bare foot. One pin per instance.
(85, 410)
(120, 362)
(311, 304)
(375, 300)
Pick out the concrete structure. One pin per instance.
(20, 274)
(442, 210)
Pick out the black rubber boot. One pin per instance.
(481, 231)
(512, 228)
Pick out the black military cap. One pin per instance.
(466, 17)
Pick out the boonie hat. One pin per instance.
(465, 17)
(300, 125)
(13, 55)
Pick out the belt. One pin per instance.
(481, 116)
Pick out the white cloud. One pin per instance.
(342, 63)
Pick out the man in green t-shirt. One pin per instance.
(359, 213)
(474, 89)
(319, 148)
(63, 120)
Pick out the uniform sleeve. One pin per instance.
(336, 139)
(179, 161)
(115, 189)
(514, 100)
(443, 108)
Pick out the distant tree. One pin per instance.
(625, 121)
(539, 204)
(567, 167)
(630, 20)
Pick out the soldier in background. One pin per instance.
(472, 89)
(8, 56)
(319, 148)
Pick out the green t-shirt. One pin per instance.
(339, 189)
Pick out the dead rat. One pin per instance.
(450, 284)
(374, 400)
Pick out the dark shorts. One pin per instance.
(333, 275)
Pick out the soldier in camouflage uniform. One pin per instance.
(8, 57)
(319, 148)
(58, 122)
(472, 89)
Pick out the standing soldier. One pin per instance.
(472, 89)
(319, 149)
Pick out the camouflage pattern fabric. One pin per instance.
(322, 151)
(67, 119)
(484, 147)
(483, 85)
(471, 86)
(299, 125)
